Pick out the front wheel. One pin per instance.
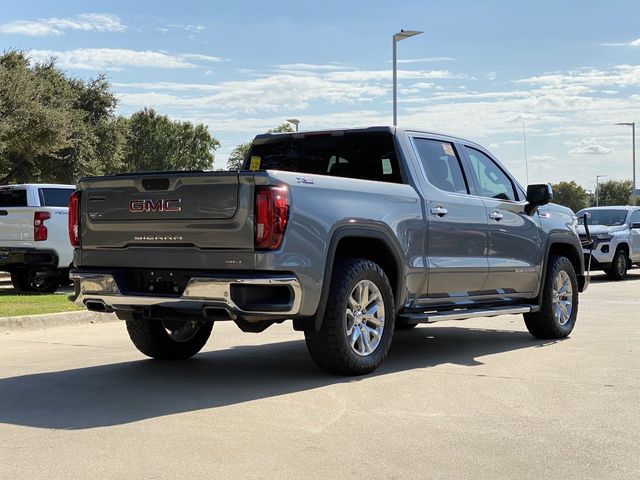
(357, 328)
(168, 339)
(559, 307)
(619, 266)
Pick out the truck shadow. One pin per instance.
(127, 392)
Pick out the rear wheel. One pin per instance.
(619, 266)
(357, 328)
(168, 339)
(559, 307)
(29, 281)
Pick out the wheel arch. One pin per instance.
(369, 241)
(561, 246)
(624, 246)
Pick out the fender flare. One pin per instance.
(375, 231)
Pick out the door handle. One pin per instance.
(497, 216)
(439, 211)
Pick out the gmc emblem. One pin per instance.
(162, 205)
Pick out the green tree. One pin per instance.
(239, 153)
(571, 195)
(614, 192)
(54, 128)
(157, 143)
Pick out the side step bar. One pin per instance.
(463, 314)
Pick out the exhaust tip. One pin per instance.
(97, 306)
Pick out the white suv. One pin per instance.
(616, 235)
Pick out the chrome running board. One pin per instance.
(463, 314)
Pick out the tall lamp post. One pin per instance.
(598, 177)
(401, 35)
(294, 121)
(633, 141)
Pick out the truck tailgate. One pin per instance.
(16, 227)
(178, 220)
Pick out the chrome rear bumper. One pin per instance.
(93, 289)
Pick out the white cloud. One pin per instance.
(310, 67)
(426, 60)
(99, 22)
(620, 75)
(118, 58)
(633, 43)
(591, 149)
(171, 86)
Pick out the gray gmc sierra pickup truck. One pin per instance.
(351, 234)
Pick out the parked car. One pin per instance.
(350, 234)
(34, 240)
(616, 235)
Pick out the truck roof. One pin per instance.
(265, 137)
(37, 185)
(609, 207)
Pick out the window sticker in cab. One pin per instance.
(255, 163)
(448, 149)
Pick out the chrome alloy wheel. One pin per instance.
(365, 318)
(562, 297)
(181, 330)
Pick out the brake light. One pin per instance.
(39, 229)
(271, 216)
(74, 230)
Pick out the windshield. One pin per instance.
(603, 217)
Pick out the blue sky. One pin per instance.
(568, 69)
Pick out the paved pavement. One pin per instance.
(466, 400)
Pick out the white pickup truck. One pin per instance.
(34, 242)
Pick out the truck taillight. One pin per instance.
(271, 216)
(39, 228)
(74, 230)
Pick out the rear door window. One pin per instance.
(363, 155)
(55, 197)
(441, 165)
(10, 197)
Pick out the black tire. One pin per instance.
(619, 266)
(27, 281)
(330, 347)
(545, 324)
(150, 337)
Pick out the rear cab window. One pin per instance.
(361, 155)
(13, 197)
(55, 197)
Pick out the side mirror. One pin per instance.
(635, 225)
(538, 195)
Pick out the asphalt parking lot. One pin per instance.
(473, 399)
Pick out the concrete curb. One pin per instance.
(50, 320)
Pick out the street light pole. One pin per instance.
(633, 142)
(401, 35)
(598, 177)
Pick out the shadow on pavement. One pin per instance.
(599, 277)
(132, 391)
